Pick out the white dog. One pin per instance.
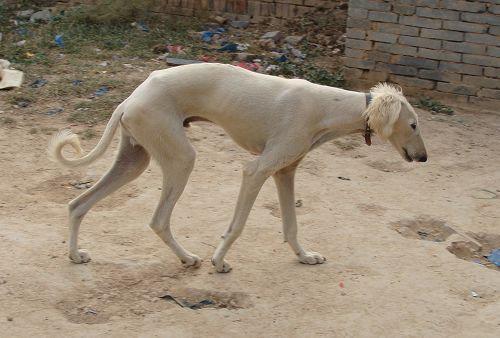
(279, 119)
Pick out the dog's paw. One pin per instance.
(310, 257)
(79, 257)
(222, 266)
(191, 260)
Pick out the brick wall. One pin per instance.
(448, 49)
(255, 10)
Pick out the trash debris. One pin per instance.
(82, 184)
(22, 104)
(9, 78)
(474, 294)
(103, 64)
(175, 49)
(494, 257)
(298, 203)
(281, 58)
(272, 69)
(341, 284)
(229, 47)
(242, 24)
(180, 62)
(343, 178)
(41, 16)
(101, 91)
(247, 65)
(185, 303)
(140, 26)
(20, 43)
(90, 311)
(208, 35)
(76, 82)
(54, 111)
(58, 39)
(297, 53)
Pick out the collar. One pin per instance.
(368, 131)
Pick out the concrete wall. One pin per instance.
(442, 48)
(255, 10)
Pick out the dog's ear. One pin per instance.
(383, 112)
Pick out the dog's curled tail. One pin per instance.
(66, 136)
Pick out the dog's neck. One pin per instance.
(343, 118)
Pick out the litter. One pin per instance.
(229, 47)
(54, 111)
(494, 257)
(76, 82)
(184, 303)
(20, 43)
(474, 294)
(9, 78)
(58, 39)
(247, 65)
(209, 34)
(180, 62)
(343, 178)
(38, 83)
(294, 39)
(101, 91)
(140, 26)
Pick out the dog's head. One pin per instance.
(392, 118)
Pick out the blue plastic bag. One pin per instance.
(494, 257)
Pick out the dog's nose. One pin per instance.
(422, 158)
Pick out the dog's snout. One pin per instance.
(422, 158)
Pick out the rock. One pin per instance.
(267, 44)
(54, 111)
(242, 24)
(25, 14)
(297, 53)
(219, 19)
(43, 16)
(10, 319)
(294, 39)
(275, 36)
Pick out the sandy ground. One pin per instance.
(375, 283)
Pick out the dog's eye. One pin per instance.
(413, 126)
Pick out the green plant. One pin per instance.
(434, 106)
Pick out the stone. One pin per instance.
(294, 39)
(274, 36)
(44, 16)
(242, 24)
(25, 14)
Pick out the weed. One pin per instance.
(7, 120)
(434, 106)
(88, 134)
(312, 73)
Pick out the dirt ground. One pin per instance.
(379, 280)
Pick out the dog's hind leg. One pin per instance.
(164, 138)
(284, 180)
(130, 162)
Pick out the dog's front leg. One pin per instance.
(284, 180)
(255, 174)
